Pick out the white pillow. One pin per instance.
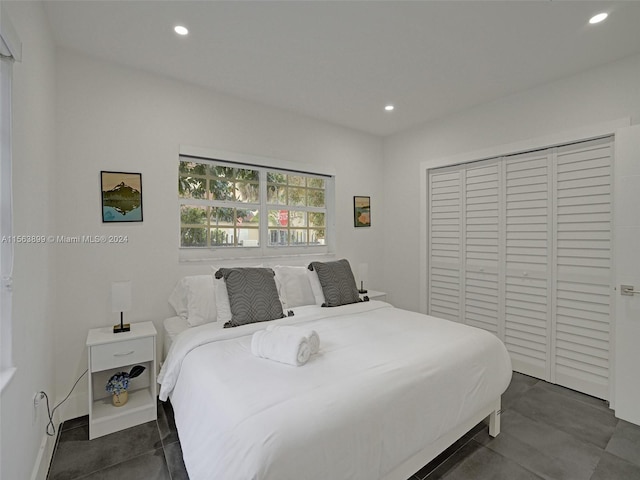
(193, 299)
(316, 287)
(201, 300)
(294, 286)
(178, 299)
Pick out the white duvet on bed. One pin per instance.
(385, 384)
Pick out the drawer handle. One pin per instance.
(123, 354)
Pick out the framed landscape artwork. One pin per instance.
(121, 196)
(362, 211)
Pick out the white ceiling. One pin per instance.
(342, 61)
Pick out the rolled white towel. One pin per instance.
(312, 336)
(282, 346)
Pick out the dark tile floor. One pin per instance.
(548, 432)
(150, 451)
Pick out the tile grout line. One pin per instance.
(452, 454)
(55, 451)
(524, 467)
(164, 449)
(578, 398)
(118, 463)
(565, 397)
(85, 475)
(563, 430)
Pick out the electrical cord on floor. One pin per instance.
(51, 428)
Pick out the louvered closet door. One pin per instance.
(445, 243)
(482, 245)
(527, 275)
(583, 257)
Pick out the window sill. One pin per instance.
(5, 377)
(250, 254)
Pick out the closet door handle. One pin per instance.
(627, 290)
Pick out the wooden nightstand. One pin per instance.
(374, 295)
(115, 352)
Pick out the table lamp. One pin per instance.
(121, 302)
(363, 273)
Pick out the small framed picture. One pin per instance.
(362, 211)
(121, 196)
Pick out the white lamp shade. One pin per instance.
(120, 297)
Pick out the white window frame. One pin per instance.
(10, 51)
(263, 251)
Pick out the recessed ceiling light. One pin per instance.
(180, 30)
(389, 108)
(598, 18)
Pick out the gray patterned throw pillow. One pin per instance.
(253, 295)
(337, 281)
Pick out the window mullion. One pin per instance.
(264, 212)
(195, 201)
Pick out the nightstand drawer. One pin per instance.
(125, 352)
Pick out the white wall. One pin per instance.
(33, 161)
(600, 95)
(116, 118)
(596, 97)
(627, 221)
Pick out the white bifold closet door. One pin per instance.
(527, 278)
(445, 243)
(583, 266)
(482, 227)
(521, 246)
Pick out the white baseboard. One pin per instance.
(75, 406)
(43, 460)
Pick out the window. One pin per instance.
(260, 210)
(10, 51)
(297, 209)
(219, 205)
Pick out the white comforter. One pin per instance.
(385, 384)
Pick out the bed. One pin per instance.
(387, 392)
